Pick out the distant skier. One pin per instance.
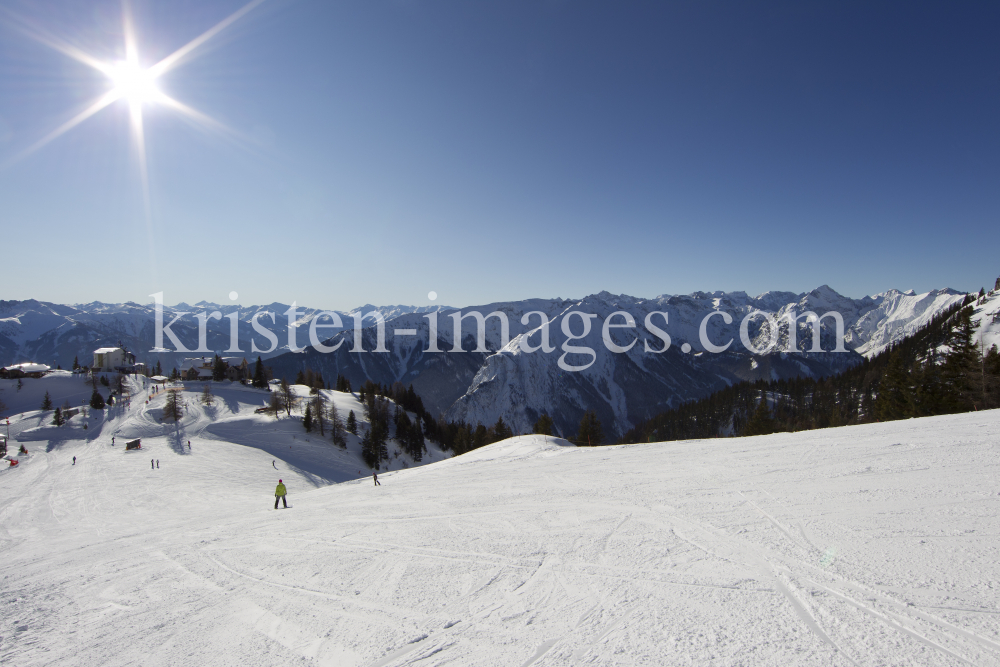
(74, 460)
(151, 466)
(375, 475)
(275, 467)
(279, 494)
(112, 441)
(157, 464)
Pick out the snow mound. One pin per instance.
(518, 448)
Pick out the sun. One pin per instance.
(134, 84)
(130, 83)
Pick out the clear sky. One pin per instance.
(378, 150)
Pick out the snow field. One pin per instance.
(866, 545)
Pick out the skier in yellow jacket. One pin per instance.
(279, 494)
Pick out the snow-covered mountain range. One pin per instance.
(623, 388)
(502, 380)
(55, 334)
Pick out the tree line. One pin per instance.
(938, 370)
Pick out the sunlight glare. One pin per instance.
(134, 84)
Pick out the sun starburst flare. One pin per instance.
(131, 84)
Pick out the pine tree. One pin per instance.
(501, 431)
(319, 414)
(76, 363)
(961, 368)
(369, 450)
(544, 425)
(96, 400)
(926, 395)
(219, 369)
(380, 438)
(300, 378)
(760, 423)
(480, 437)
(414, 440)
(590, 433)
(352, 423)
(307, 419)
(57, 418)
(259, 378)
(894, 391)
(343, 384)
(47, 402)
(159, 369)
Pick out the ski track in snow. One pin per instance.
(870, 545)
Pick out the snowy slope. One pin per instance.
(230, 418)
(896, 316)
(984, 313)
(865, 545)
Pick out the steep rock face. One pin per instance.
(630, 386)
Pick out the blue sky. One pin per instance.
(505, 150)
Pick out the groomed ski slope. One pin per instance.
(867, 545)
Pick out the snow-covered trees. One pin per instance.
(47, 402)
